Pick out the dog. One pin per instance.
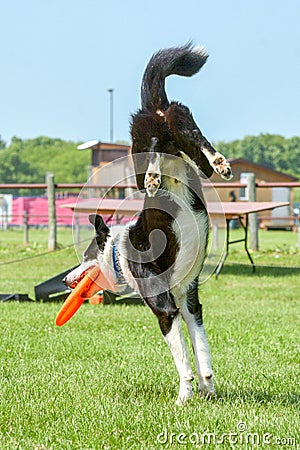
(161, 254)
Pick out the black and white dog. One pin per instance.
(162, 253)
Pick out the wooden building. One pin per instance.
(110, 165)
(241, 168)
(103, 152)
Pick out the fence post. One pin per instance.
(215, 234)
(52, 243)
(76, 228)
(25, 225)
(253, 220)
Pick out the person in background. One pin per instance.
(233, 223)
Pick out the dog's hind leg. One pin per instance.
(192, 313)
(153, 175)
(189, 139)
(217, 161)
(169, 320)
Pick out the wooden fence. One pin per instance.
(51, 189)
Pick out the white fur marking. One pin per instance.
(76, 273)
(177, 346)
(202, 353)
(200, 50)
(153, 176)
(176, 181)
(219, 163)
(191, 229)
(160, 113)
(124, 260)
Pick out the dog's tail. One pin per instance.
(184, 61)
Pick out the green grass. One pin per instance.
(276, 248)
(106, 380)
(21, 277)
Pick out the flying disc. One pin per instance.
(93, 282)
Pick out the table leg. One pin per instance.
(245, 227)
(229, 242)
(221, 263)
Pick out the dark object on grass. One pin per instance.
(128, 297)
(15, 297)
(53, 290)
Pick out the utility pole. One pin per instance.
(111, 93)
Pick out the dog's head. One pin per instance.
(91, 253)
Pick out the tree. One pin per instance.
(27, 161)
(271, 150)
(2, 143)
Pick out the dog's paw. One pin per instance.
(183, 398)
(185, 390)
(206, 386)
(222, 167)
(152, 183)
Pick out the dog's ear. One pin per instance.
(98, 222)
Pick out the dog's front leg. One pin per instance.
(202, 354)
(175, 340)
(169, 320)
(192, 313)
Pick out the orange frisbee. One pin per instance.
(93, 282)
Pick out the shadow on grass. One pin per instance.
(161, 394)
(259, 397)
(260, 271)
(156, 393)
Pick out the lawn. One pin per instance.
(106, 380)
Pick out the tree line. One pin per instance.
(270, 150)
(28, 160)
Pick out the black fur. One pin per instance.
(171, 123)
(158, 214)
(102, 231)
(162, 304)
(193, 304)
(181, 61)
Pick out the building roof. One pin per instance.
(95, 144)
(256, 166)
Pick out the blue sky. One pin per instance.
(59, 57)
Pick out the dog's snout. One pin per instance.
(68, 282)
